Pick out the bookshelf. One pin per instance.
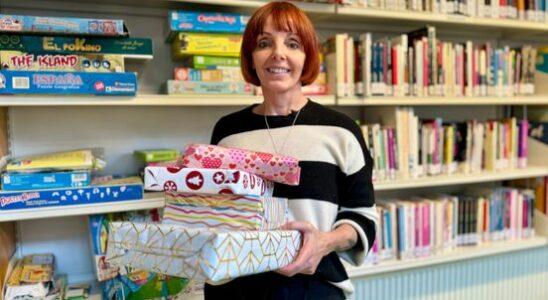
(458, 254)
(151, 200)
(172, 121)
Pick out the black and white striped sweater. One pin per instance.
(335, 185)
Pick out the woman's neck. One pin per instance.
(281, 104)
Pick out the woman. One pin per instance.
(333, 206)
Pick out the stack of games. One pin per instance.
(54, 55)
(207, 45)
(59, 179)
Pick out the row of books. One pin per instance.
(534, 10)
(419, 64)
(408, 147)
(424, 226)
(60, 55)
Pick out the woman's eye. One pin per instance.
(262, 44)
(294, 45)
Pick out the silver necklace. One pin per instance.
(286, 137)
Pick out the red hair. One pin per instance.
(285, 17)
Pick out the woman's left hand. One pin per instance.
(315, 245)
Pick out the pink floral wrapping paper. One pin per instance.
(206, 181)
(278, 168)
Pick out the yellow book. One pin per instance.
(70, 160)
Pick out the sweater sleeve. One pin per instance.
(357, 200)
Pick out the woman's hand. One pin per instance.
(315, 245)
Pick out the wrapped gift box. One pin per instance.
(200, 254)
(278, 168)
(228, 212)
(206, 181)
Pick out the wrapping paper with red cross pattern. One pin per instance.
(278, 168)
(227, 212)
(206, 181)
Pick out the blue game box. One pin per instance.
(125, 189)
(82, 83)
(61, 25)
(188, 21)
(50, 180)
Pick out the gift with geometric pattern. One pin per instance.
(278, 168)
(200, 254)
(227, 212)
(206, 181)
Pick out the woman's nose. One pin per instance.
(279, 51)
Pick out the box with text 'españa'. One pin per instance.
(82, 83)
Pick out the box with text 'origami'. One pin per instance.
(200, 254)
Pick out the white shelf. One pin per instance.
(151, 200)
(438, 101)
(387, 16)
(458, 254)
(443, 180)
(307, 7)
(142, 100)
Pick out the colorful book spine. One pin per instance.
(61, 25)
(36, 181)
(127, 47)
(36, 82)
(22, 61)
(189, 21)
(206, 44)
(179, 87)
(158, 155)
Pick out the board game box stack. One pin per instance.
(59, 55)
(207, 48)
(217, 211)
(61, 179)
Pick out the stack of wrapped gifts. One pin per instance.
(220, 220)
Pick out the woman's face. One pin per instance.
(278, 59)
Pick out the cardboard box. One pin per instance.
(24, 61)
(37, 82)
(50, 180)
(190, 21)
(199, 254)
(206, 181)
(130, 188)
(127, 47)
(179, 87)
(61, 25)
(216, 44)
